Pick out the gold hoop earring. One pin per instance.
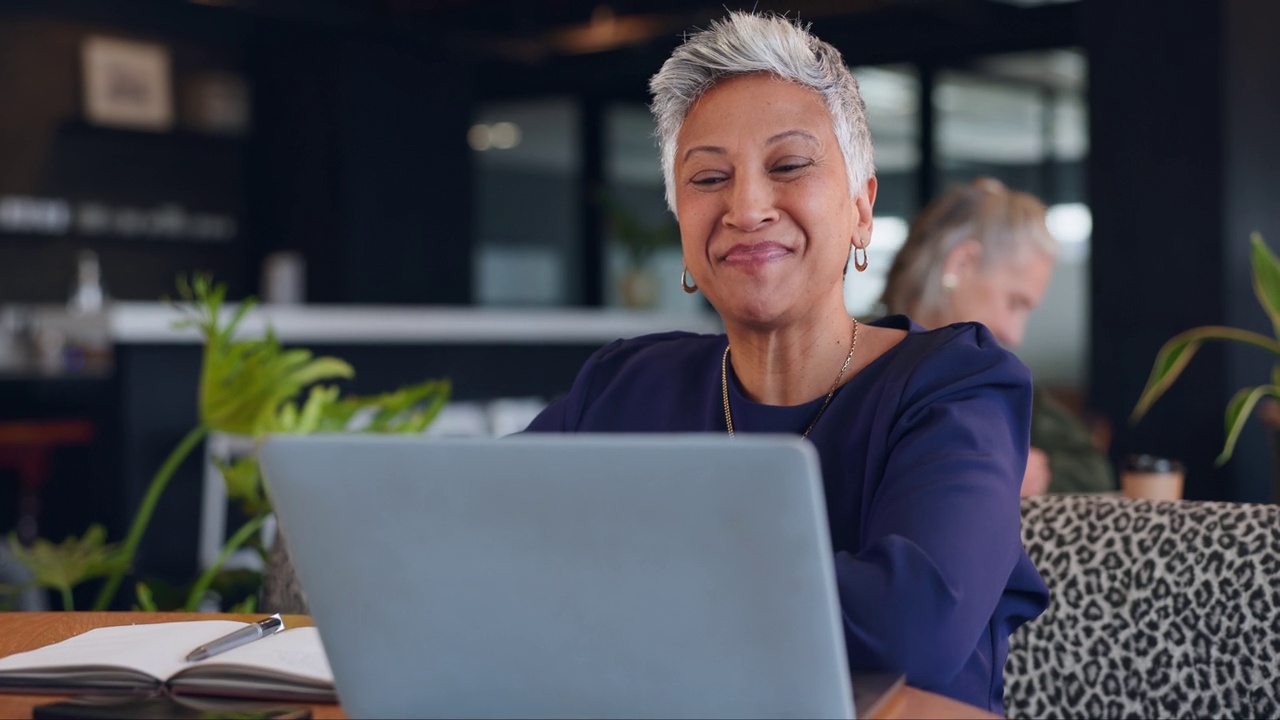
(859, 265)
(691, 289)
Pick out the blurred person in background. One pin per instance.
(982, 252)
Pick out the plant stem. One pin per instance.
(245, 532)
(68, 603)
(143, 517)
(146, 602)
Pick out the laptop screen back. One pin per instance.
(566, 575)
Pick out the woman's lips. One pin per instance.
(752, 253)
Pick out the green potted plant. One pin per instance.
(1174, 356)
(249, 386)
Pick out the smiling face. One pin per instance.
(766, 217)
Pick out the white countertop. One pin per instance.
(138, 322)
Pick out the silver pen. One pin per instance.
(260, 629)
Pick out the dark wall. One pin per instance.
(361, 164)
(1183, 166)
(407, 175)
(295, 178)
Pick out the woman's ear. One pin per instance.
(863, 202)
(964, 259)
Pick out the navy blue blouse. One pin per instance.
(922, 454)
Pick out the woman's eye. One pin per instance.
(707, 179)
(791, 166)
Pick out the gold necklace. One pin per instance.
(724, 384)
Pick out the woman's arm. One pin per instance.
(941, 530)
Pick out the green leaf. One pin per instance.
(244, 484)
(244, 382)
(160, 593)
(1238, 411)
(206, 579)
(62, 566)
(146, 600)
(1266, 280)
(1173, 357)
(406, 410)
(319, 400)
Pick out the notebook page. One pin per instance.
(156, 649)
(294, 654)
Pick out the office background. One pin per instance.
(463, 153)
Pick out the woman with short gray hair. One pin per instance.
(760, 44)
(921, 435)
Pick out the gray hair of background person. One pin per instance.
(746, 43)
(1003, 221)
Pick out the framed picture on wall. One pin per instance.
(127, 83)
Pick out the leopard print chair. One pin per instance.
(1159, 609)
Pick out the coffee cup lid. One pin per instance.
(1151, 463)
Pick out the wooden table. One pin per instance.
(27, 630)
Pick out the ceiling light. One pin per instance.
(504, 135)
(479, 137)
(606, 31)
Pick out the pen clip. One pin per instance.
(272, 624)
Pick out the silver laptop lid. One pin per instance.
(566, 575)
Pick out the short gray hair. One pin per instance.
(745, 43)
(1004, 222)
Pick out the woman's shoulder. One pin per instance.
(621, 384)
(951, 351)
(956, 337)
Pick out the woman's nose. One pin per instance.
(751, 203)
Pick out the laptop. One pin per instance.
(566, 575)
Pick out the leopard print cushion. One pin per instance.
(1159, 609)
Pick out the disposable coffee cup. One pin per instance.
(1151, 477)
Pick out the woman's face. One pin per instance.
(1003, 295)
(766, 220)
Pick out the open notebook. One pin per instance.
(289, 665)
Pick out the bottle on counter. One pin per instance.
(87, 295)
(84, 341)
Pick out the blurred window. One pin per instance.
(892, 97)
(1022, 118)
(643, 260)
(1019, 117)
(526, 174)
